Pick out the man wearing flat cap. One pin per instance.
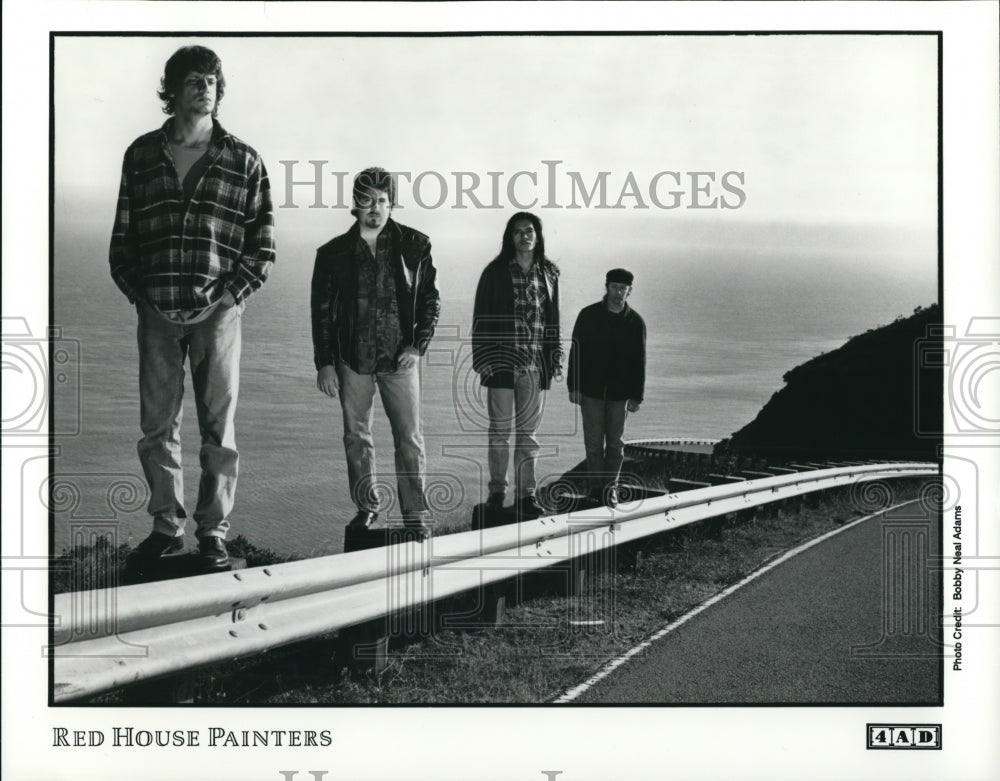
(607, 375)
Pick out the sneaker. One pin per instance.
(212, 552)
(613, 497)
(158, 544)
(494, 502)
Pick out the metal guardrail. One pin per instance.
(110, 638)
(671, 441)
(671, 447)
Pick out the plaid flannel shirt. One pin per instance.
(183, 255)
(529, 317)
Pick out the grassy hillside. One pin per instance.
(871, 398)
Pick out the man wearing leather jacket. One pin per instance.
(375, 304)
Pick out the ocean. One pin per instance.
(724, 325)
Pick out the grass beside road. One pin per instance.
(549, 642)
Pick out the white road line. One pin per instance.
(614, 664)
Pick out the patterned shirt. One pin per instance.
(529, 315)
(182, 254)
(379, 335)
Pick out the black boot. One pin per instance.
(529, 508)
(156, 545)
(212, 552)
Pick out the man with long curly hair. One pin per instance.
(192, 240)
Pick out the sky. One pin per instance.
(830, 137)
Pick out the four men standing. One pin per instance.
(192, 240)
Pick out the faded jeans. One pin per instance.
(522, 406)
(212, 348)
(400, 393)
(603, 430)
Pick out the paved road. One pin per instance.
(788, 636)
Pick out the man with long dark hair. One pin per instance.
(193, 239)
(516, 353)
(375, 304)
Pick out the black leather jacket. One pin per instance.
(335, 294)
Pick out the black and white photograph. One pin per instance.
(400, 390)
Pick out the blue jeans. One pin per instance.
(400, 392)
(212, 347)
(603, 430)
(522, 406)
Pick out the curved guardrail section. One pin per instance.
(671, 441)
(111, 638)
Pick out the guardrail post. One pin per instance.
(578, 570)
(768, 510)
(171, 690)
(494, 603)
(781, 507)
(713, 525)
(590, 603)
(489, 608)
(628, 557)
(813, 498)
(365, 647)
(792, 505)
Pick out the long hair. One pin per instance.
(507, 249)
(187, 59)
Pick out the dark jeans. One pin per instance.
(603, 430)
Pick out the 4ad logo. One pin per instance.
(904, 736)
